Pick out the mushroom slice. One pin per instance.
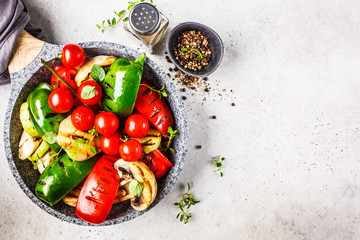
(85, 70)
(78, 145)
(28, 145)
(137, 170)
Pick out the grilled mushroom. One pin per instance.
(78, 144)
(137, 170)
(85, 70)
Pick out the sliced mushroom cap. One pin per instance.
(69, 139)
(85, 70)
(137, 170)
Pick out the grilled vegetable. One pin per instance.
(79, 145)
(130, 171)
(40, 151)
(45, 160)
(85, 70)
(151, 141)
(159, 164)
(44, 119)
(98, 193)
(72, 197)
(151, 105)
(61, 176)
(121, 85)
(28, 145)
(26, 121)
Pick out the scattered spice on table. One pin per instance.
(192, 50)
(213, 117)
(198, 146)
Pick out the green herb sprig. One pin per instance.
(218, 163)
(187, 51)
(97, 73)
(119, 16)
(185, 202)
(162, 92)
(172, 134)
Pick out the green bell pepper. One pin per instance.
(61, 176)
(121, 85)
(44, 119)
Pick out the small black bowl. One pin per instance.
(216, 47)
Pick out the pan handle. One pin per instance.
(26, 49)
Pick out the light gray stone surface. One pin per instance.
(291, 142)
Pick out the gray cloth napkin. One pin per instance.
(14, 17)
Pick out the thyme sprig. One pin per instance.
(185, 202)
(187, 51)
(161, 91)
(218, 163)
(172, 134)
(119, 16)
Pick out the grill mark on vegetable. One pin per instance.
(148, 143)
(161, 120)
(108, 85)
(155, 113)
(105, 179)
(40, 192)
(92, 199)
(152, 101)
(42, 183)
(107, 169)
(100, 189)
(146, 91)
(50, 115)
(108, 97)
(108, 107)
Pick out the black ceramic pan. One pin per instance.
(28, 53)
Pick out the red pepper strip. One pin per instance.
(67, 74)
(159, 163)
(99, 190)
(154, 108)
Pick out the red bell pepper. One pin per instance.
(99, 190)
(159, 163)
(154, 108)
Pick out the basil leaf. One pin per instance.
(97, 73)
(88, 92)
(136, 187)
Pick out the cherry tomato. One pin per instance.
(61, 100)
(137, 126)
(106, 123)
(73, 56)
(109, 144)
(130, 150)
(65, 73)
(82, 118)
(94, 88)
